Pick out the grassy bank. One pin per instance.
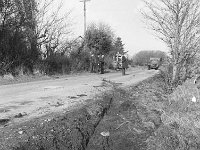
(146, 117)
(133, 118)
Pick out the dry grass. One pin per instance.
(181, 108)
(23, 79)
(180, 116)
(181, 120)
(173, 117)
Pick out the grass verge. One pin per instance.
(147, 117)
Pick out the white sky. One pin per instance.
(124, 18)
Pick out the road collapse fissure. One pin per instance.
(71, 131)
(118, 119)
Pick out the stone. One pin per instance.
(105, 133)
(149, 124)
(194, 99)
(20, 115)
(20, 132)
(4, 121)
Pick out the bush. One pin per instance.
(4, 67)
(80, 60)
(166, 73)
(53, 64)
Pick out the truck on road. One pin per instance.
(154, 63)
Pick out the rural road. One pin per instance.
(35, 99)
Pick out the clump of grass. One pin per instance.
(165, 139)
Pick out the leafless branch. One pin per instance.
(177, 23)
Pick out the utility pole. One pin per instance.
(85, 25)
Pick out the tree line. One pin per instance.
(142, 58)
(35, 37)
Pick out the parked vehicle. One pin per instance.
(154, 63)
(119, 62)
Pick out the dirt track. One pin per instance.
(35, 99)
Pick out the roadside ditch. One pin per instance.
(123, 119)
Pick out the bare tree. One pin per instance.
(52, 25)
(177, 23)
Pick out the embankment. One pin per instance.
(122, 119)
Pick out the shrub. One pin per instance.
(166, 74)
(80, 60)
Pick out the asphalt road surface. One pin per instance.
(20, 102)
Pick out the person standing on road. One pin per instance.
(101, 61)
(124, 65)
(92, 63)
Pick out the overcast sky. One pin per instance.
(124, 18)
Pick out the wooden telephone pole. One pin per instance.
(85, 24)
